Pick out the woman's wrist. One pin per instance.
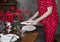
(37, 20)
(31, 18)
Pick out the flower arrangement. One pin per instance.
(8, 23)
(9, 16)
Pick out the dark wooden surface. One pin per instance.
(30, 36)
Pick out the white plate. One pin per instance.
(27, 22)
(28, 28)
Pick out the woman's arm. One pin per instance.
(34, 16)
(46, 14)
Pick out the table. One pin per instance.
(30, 36)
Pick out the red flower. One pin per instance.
(12, 7)
(27, 10)
(19, 13)
(0, 14)
(9, 16)
(2, 19)
(5, 0)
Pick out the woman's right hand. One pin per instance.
(27, 22)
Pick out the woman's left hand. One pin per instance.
(34, 23)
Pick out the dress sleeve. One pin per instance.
(46, 3)
(43, 4)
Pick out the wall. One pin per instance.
(58, 6)
(30, 5)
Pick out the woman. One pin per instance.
(48, 16)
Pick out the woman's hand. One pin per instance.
(34, 23)
(28, 22)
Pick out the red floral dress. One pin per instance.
(50, 22)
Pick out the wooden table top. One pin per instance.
(30, 36)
